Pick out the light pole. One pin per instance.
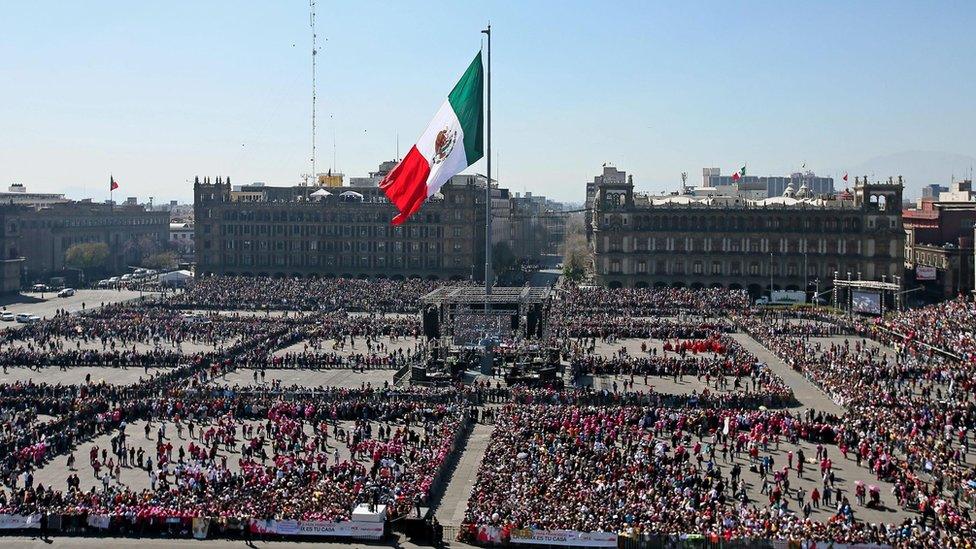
(850, 296)
(770, 278)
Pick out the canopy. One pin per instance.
(321, 193)
(352, 194)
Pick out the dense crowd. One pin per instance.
(950, 326)
(624, 460)
(637, 302)
(307, 294)
(642, 470)
(910, 414)
(286, 457)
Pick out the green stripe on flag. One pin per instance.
(467, 99)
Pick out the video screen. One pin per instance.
(867, 302)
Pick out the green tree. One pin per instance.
(87, 256)
(502, 257)
(160, 261)
(575, 249)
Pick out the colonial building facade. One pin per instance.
(345, 231)
(42, 236)
(791, 242)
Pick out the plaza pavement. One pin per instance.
(46, 304)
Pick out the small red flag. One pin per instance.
(112, 185)
(845, 177)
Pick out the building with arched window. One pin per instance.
(797, 241)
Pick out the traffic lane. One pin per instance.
(47, 303)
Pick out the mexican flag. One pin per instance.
(112, 183)
(452, 142)
(739, 174)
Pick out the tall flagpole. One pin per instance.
(488, 185)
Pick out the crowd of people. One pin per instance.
(258, 456)
(949, 326)
(307, 294)
(642, 470)
(638, 302)
(910, 414)
(634, 461)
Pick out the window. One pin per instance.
(697, 268)
(716, 267)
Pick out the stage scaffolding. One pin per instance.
(467, 316)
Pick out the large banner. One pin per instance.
(345, 529)
(18, 522)
(866, 302)
(564, 537)
(924, 272)
(784, 297)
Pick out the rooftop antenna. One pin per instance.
(332, 121)
(684, 181)
(311, 7)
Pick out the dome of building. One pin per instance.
(804, 191)
(789, 192)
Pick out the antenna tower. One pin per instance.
(311, 6)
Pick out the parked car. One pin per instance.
(39, 288)
(126, 278)
(67, 292)
(113, 280)
(102, 284)
(7, 316)
(27, 318)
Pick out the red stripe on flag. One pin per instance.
(406, 185)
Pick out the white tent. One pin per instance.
(175, 278)
(352, 194)
(321, 193)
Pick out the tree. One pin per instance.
(502, 257)
(87, 256)
(161, 261)
(575, 249)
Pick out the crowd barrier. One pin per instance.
(187, 527)
(495, 536)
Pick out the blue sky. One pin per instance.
(157, 92)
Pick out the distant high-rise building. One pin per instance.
(932, 191)
(764, 186)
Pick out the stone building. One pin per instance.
(42, 236)
(11, 258)
(789, 242)
(130, 232)
(346, 231)
(939, 243)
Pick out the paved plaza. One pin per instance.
(307, 379)
(56, 472)
(77, 375)
(450, 506)
(47, 303)
(349, 346)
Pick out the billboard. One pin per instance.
(924, 272)
(866, 302)
(788, 296)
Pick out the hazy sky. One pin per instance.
(157, 92)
